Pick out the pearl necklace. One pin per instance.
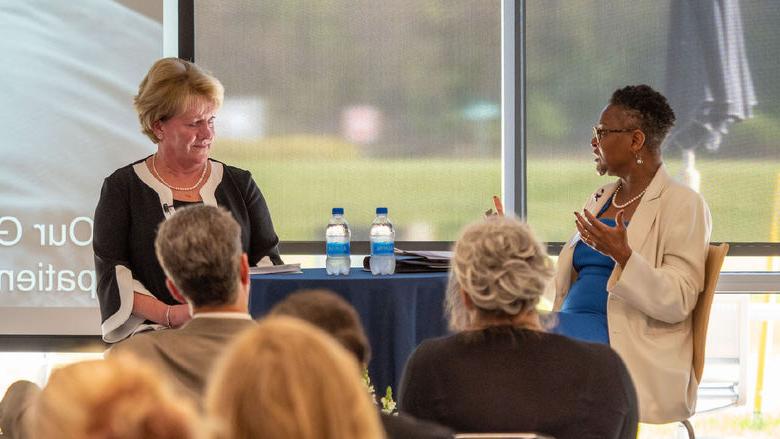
(621, 206)
(176, 188)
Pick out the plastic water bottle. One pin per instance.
(337, 236)
(382, 238)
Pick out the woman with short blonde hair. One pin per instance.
(286, 379)
(177, 105)
(171, 87)
(116, 398)
(500, 372)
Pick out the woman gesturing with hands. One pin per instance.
(631, 275)
(610, 241)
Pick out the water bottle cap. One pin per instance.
(337, 211)
(381, 211)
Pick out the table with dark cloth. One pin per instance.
(397, 311)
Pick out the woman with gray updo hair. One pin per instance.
(502, 270)
(499, 369)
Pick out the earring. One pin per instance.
(638, 159)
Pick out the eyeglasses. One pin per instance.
(599, 133)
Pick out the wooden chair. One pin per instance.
(701, 314)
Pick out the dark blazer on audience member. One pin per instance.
(406, 427)
(517, 380)
(188, 353)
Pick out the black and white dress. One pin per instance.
(132, 205)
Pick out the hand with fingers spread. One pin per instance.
(610, 241)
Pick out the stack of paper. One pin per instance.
(276, 269)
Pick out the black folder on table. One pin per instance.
(417, 262)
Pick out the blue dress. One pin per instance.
(583, 315)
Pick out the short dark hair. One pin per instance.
(650, 109)
(199, 249)
(329, 312)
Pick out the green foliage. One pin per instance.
(293, 147)
(755, 136)
(386, 403)
(444, 195)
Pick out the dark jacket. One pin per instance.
(506, 379)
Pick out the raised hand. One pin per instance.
(609, 241)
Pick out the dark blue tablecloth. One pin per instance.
(397, 311)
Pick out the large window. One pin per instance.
(360, 104)
(715, 60)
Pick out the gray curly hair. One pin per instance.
(501, 266)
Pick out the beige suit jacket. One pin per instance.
(187, 354)
(651, 299)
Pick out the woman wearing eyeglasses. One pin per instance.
(631, 275)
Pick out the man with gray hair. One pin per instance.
(200, 251)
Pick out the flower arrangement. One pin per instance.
(386, 402)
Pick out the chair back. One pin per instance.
(501, 436)
(701, 314)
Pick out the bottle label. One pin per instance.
(383, 248)
(337, 249)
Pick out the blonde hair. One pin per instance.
(286, 379)
(116, 398)
(500, 266)
(170, 88)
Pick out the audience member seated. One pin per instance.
(118, 398)
(337, 317)
(500, 372)
(14, 409)
(199, 248)
(286, 379)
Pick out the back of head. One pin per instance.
(502, 268)
(329, 312)
(170, 88)
(650, 111)
(286, 379)
(117, 398)
(199, 248)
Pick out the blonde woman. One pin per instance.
(177, 104)
(118, 398)
(334, 315)
(286, 379)
(500, 372)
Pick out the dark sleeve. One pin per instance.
(263, 240)
(115, 283)
(612, 390)
(631, 418)
(416, 386)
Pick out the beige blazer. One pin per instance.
(187, 354)
(651, 299)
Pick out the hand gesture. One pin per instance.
(609, 241)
